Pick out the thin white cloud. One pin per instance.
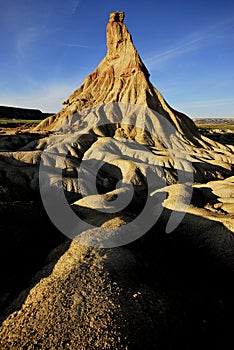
(210, 103)
(213, 108)
(173, 52)
(193, 42)
(81, 46)
(25, 38)
(75, 4)
(29, 36)
(47, 99)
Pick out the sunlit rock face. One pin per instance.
(122, 77)
(118, 108)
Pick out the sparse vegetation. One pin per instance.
(216, 126)
(18, 121)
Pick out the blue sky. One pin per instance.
(48, 47)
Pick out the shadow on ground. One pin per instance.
(190, 270)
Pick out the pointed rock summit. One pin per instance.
(121, 77)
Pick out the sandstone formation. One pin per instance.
(160, 291)
(122, 78)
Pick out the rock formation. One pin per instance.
(164, 292)
(122, 77)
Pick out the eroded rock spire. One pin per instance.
(120, 46)
(121, 77)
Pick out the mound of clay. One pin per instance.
(117, 108)
(122, 79)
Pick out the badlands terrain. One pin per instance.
(116, 219)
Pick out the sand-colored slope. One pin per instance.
(121, 77)
(93, 299)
